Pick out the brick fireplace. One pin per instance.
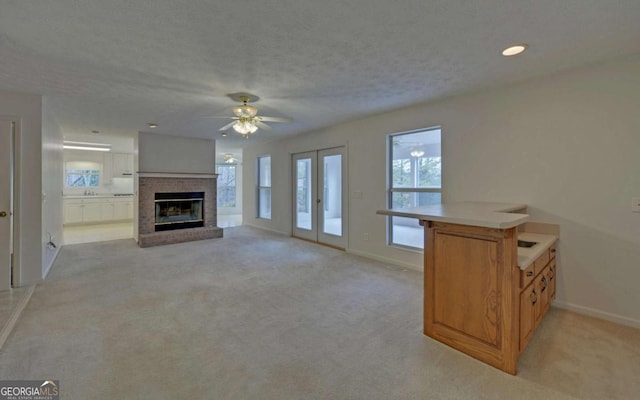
(156, 190)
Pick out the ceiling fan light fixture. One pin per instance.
(245, 126)
(245, 111)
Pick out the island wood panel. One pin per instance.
(453, 252)
(466, 296)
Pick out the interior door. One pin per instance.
(319, 196)
(6, 199)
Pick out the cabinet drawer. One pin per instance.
(541, 262)
(526, 276)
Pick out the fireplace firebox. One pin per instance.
(179, 211)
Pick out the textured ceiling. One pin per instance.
(116, 65)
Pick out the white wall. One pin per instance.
(567, 145)
(165, 153)
(28, 110)
(52, 183)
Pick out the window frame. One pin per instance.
(260, 187)
(235, 184)
(83, 172)
(391, 190)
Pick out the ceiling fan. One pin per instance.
(246, 120)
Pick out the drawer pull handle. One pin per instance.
(553, 250)
(534, 297)
(529, 273)
(544, 284)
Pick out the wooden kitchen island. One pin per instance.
(483, 295)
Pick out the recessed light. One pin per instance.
(514, 50)
(152, 125)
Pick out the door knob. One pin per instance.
(3, 214)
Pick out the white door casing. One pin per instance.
(6, 199)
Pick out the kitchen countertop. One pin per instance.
(96, 196)
(526, 256)
(488, 215)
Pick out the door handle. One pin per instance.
(318, 201)
(3, 214)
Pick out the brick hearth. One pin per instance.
(149, 186)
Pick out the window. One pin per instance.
(226, 185)
(264, 187)
(415, 179)
(82, 174)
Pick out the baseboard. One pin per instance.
(592, 312)
(5, 330)
(53, 260)
(386, 260)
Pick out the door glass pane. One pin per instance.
(332, 195)
(303, 194)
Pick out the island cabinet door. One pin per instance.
(528, 301)
(542, 287)
(470, 300)
(551, 277)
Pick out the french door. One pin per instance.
(319, 202)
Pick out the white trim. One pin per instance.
(391, 261)
(13, 318)
(53, 260)
(592, 312)
(176, 175)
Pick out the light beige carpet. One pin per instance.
(261, 316)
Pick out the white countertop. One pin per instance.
(96, 196)
(527, 255)
(489, 215)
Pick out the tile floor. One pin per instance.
(76, 234)
(228, 221)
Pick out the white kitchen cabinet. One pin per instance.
(122, 164)
(123, 209)
(92, 212)
(107, 168)
(73, 213)
(107, 211)
(95, 210)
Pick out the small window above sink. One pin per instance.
(525, 243)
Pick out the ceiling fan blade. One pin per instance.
(219, 116)
(263, 126)
(227, 126)
(274, 119)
